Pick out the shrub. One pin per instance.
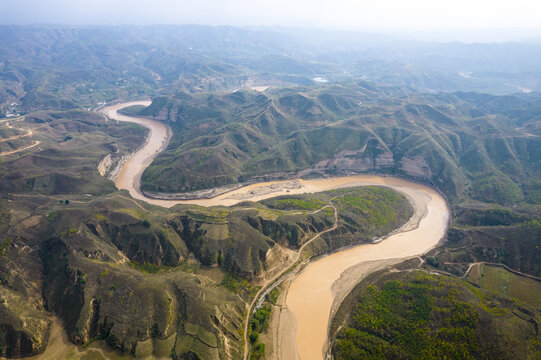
(254, 336)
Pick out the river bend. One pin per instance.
(311, 294)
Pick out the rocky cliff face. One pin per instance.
(359, 162)
(356, 161)
(169, 115)
(114, 271)
(24, 322)
(138, 312)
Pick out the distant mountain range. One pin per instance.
(86, 64)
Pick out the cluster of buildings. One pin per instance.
(10, 110)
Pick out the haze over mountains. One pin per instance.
(497, 20)
(85, 65)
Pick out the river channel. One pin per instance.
(313, 292)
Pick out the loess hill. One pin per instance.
(471, 146)
(482, 151)
(131, 279)
(408, 314)
(125, 278)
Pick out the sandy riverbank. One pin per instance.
(330, 278)
(129, 177)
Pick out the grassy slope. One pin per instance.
(413, 315)
(467, 145)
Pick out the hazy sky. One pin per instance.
(334, 14)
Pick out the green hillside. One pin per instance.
(468, 145)
(413, 315)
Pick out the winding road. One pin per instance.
(27, 132)
(315, 292)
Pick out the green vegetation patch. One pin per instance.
(258, 324)
(533, 191)
(301, 204)
(498, 189)
(132, 110)
(209, 215)
(422, 316)
(421, 319)
(488, 217)
(4, 246)
(147, 267)
(236, 284)
(272, 297)
(52, 215)
(365, 198)
(373, 210)
(260, 320)
(258, 352)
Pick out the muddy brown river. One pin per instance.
(321, 278)
(311, 294)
